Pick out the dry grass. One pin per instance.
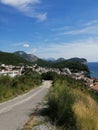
(85, 110)
(73, 109)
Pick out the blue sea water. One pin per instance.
(93, 66)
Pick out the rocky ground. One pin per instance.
(38, 120)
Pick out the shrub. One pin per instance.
(72, 108)
(86, 113)
(11, 87)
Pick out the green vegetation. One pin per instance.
(49, 76)
(43, 63)
(71, 105)
(12, 87)
(10, 58)
(73, 66)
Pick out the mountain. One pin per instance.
(10, 58)
(60, 59)
(50, 59)
(76, 59)
(28, 57)
(22, 57)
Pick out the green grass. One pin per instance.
(86, 112)
(71, 106)
(12, 87)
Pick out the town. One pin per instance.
(11, 70)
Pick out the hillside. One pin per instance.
(74, 65)
(28, 57)
(76, 59)
(16, 58)
(60, 59)
(71, 106)
(10, 58)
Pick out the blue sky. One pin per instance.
(50, 28)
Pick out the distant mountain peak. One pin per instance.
(60, 59)
(50, 59)
(28, 57)
(76, 59)
(12, 59)
(22, 52)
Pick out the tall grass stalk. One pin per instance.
(72, 108)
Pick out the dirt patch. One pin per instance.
(37, 121)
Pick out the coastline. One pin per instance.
(93, 67)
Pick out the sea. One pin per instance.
(93, 66)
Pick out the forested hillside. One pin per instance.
(10, 58)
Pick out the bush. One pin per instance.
(11, 87)
(49, 76)
(72, 108)
(86, 113)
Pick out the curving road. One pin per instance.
(15, 113)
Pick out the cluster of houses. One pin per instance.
(91, 83)
(12, 70)
(18, 70)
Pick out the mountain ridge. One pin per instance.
(11, 58)
(28, 57)
(74, 59)
(22, 57)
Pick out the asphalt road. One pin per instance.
(15, 113)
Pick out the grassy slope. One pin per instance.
(71, 106)
(10, 58)
(12, 87)
(74, 66)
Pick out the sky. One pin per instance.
(50, 28)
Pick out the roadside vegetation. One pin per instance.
(12, 87)
(71, 106)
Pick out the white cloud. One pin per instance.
(42, 17)
(33, 50)
(86, 30)
(26, 45)
(89, 28)
(21, 44)
(18, 3)
(85, 48)
(27, 7)
(93, 22)
(61, 28)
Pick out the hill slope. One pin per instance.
(28, 57)
(76, 59)
(75, 64)
(10, 58)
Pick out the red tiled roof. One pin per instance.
(96, 86)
